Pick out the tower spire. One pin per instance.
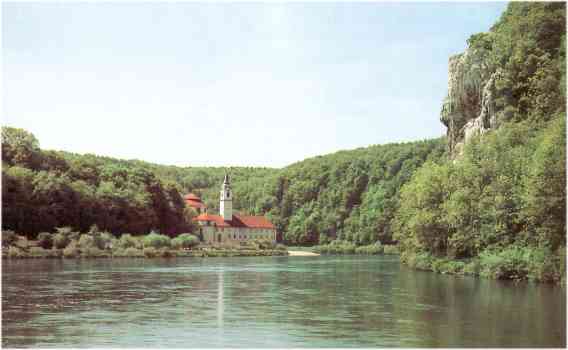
(226, 200)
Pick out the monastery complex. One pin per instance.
(228, 226)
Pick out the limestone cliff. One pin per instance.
(468, 109)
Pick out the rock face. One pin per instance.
(469, 108)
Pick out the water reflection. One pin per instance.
(269, 302)
(221, 286)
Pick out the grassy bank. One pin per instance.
(512, 263)
(343, 247)
(68, 244)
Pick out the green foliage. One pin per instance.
(43, 190)
(128, 241)
(155, 240)
(20, 148)
(391, 249)
(507, 190)
(371, 249)
(515, 262)
(528, 47)
(336, 247)
(185, 240)
(349, 195)
(44, 240)
(544, 196)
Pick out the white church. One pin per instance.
(228, 226)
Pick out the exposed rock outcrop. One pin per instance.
(469, 108)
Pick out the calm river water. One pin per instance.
(329, 301)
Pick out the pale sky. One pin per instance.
(219, 84)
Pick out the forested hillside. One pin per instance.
(349, 194)
(42, 190)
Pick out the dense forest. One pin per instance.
(495, 198)
(350, 194)
(42, 190)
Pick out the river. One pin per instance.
(327, 301)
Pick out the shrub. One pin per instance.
(92, 252)
(165, 253)
(118, 252)
(390, 249)
(9, 237)
(543, 265)
(14, 252)
(281, 247)
(176, 243)
(86, 242)
(420, 261)
(71, 251)
(185, 240)
(133, 252)
(38, 252)
(103, 240)
(150, 252)
(473, 267)
(60, 240)
(155, 240)
(44, 240)
(68, 232)
(22, 243)
(511, 263)
(265, 243)
(127, 241)
(371, 249)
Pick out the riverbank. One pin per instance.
(513, 263)
(40, 253)
(301, 253)
(343, 247)
(66, 244)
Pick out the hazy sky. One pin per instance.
(230, 83)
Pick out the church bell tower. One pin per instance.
(226, 204)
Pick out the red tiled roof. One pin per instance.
(237, 221)
(217, 219)
(193, 201)
(253, 221)
(193, 197)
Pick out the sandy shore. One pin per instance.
(301, 253)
